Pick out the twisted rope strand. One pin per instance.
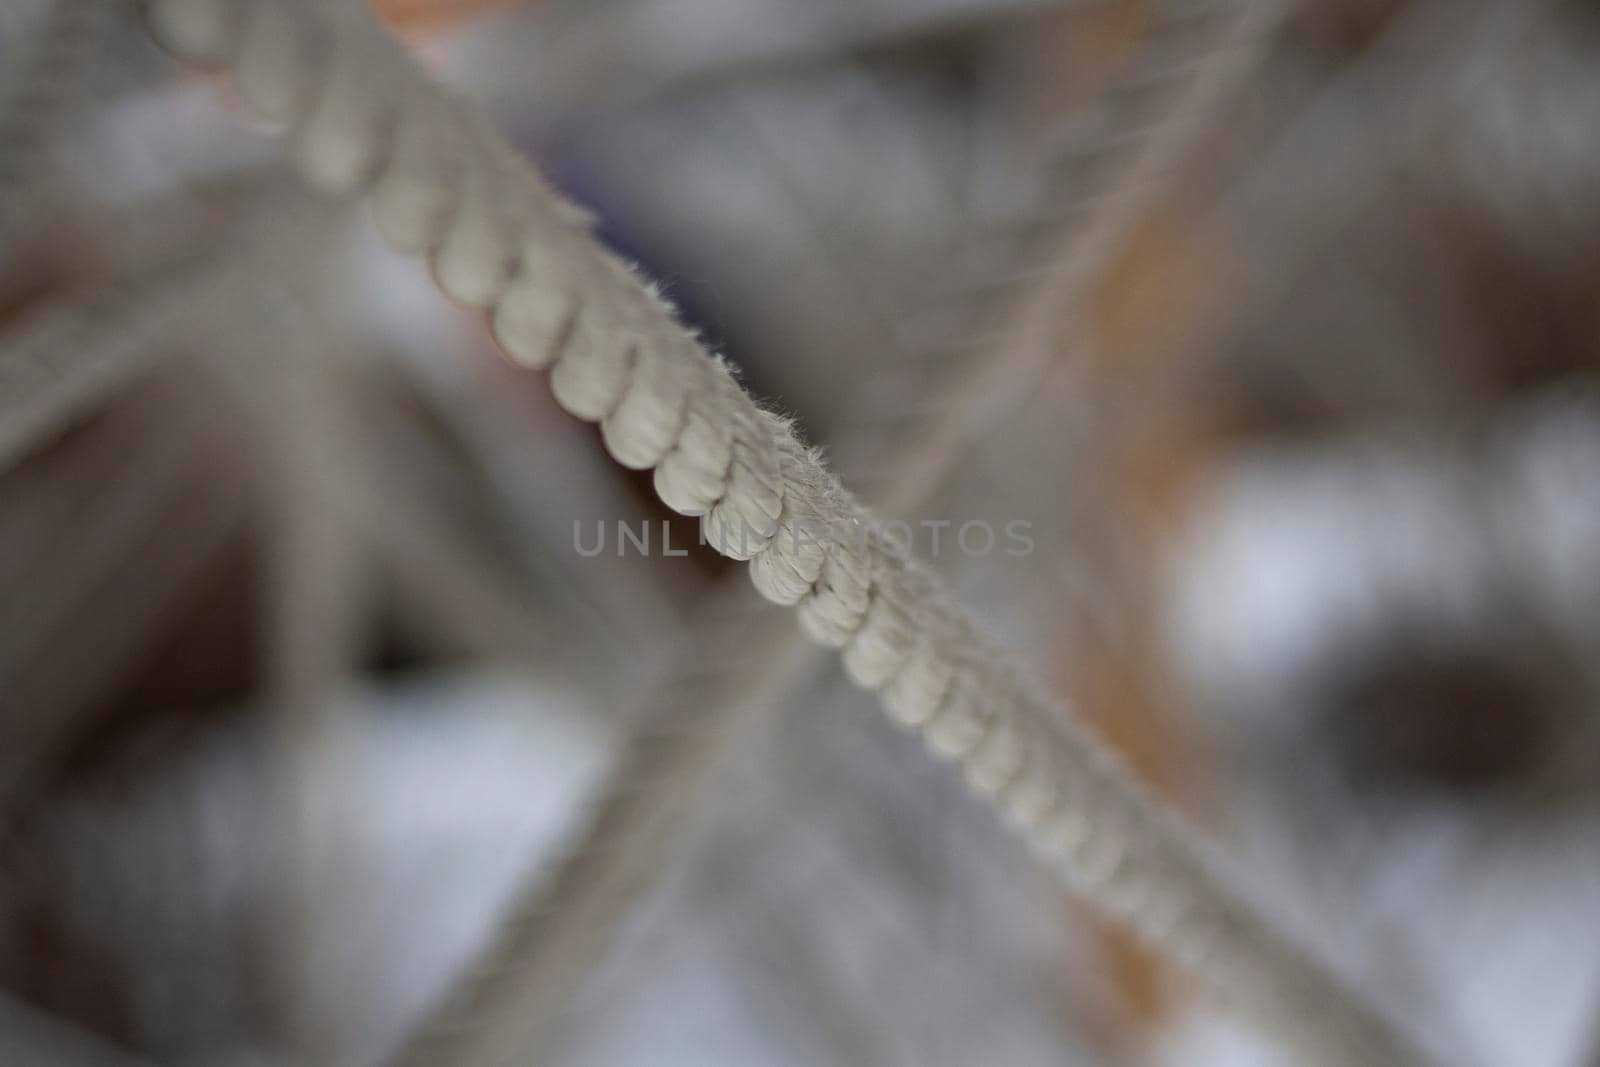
(361, 117)
(560, 924)
(511, 997)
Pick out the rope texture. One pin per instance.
(360, 117)
(510, 997)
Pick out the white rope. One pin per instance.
(510, 998)
(442, 183)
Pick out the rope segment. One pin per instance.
(361, 118)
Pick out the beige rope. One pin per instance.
(442, 183)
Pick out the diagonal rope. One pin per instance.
(443, 183)
(1111, 165)
(69, 357)
(65, 359)
(508, 1006)
(558, 927)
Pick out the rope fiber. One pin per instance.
(442, 183)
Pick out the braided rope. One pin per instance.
(443, 184)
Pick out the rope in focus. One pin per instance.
(443, 184)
